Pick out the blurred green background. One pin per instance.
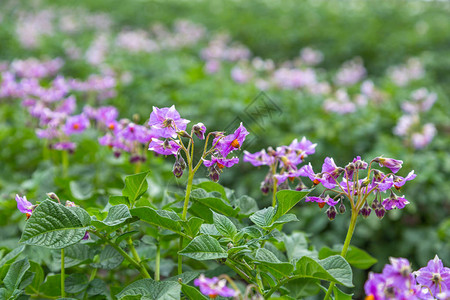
(382, 33)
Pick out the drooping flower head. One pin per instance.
(166, 121)
(231, 142)
(213, 287)
(199, 130)
(24, 205)
(395, 201)
(166, 147)
(393, 164)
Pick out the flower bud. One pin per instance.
(199, 130)
(53, 196)
(365, 210)
(70, 204)
(301, 186)
(135, 159)
(331, 213)
(214, 173)
(183, 133)
(179, 166)
(342, 208)
(380, 211)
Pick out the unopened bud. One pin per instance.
(331, 213)
(214, 173)
(230, 245)
(365, 182)
(301, 186)
(136, 118)
(183, 133)
(135, 159)
(53, 196)
(342, 208)
(380, 211)
(365, 210)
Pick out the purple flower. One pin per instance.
(166, 147)
(400, 271)
(329, 173)
(70, 204)
(394, 202)
(213, 287)
(86, 236)
(106, 114)
(400, 181)
(291, 174)
(434, 276)
(166, 121)
(76, 124)
(69, 146)
(231, 142)
(24, 205)
(221, 162)
(199, 130)
(257, 159)
(322, 201)
(133, 132)
(393, 164)
(305, 147)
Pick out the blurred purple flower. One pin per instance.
(76, 124)
(213, 287)
(434, 276)
(166, 147)
(24, 205)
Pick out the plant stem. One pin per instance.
(138, 259)
(139, 267)
(65, 163)
(274, 197)
(158, 257)
(188, 192)
(348, 238)
(63, 292)
(180, 258)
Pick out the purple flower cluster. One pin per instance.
(397, 281)
(165, 133)
(353, 184)
(409, 125)
(401, 75)
(283, 162)
(213, 287)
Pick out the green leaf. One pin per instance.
(75, 283)
(53, 226)
(224, 225)
(296, 245)
(192, 293)
(355, 257)
(286, 199)
(209, 229)
(15, 274)
(159, 218)
(116, 200)
(150, 289)
(212, 201)
(211, 186)
(333, 269)
(83, 215)
(81, 190)
(263, 218)
(117, 216)
(283, 220)
(51, 286)
(192, 226)
(109, 259)
(11, 256)
(267, 261)
(97, 287)
(38, 278)
(303, 287)
(135, 186)
(247, 206)
(204, 247)
(75, 255)
(340, 295)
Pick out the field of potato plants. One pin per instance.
(224, 150)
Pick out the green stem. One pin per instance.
(63, 292)
(135, 264)
(238, 271)
(274, 197)
(142, 268)
(188, 192)
(348, 238)
(180, 258)
(158, 258)
(65, 163)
